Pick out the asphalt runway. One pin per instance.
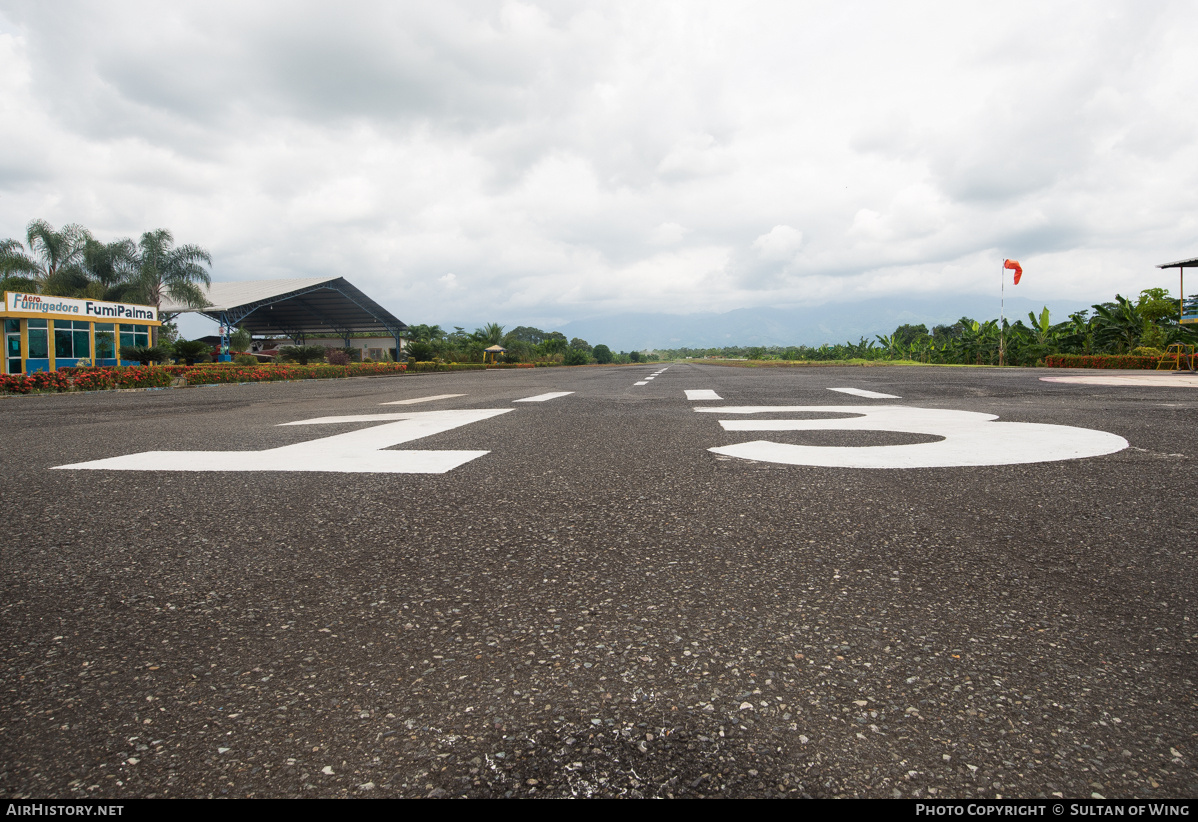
(574, 596)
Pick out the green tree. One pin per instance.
(489, 334)
(110, 268)
(575, 356)
(425, 333)
(1155, 304)
(165, 270)
(145, 354)
(517, 350)
(14, 263)
(303, 354)
(908, 335)
(54, 259)
(602, 354)
(1118, 326)
(190, 351)
(555, 342)
(524, 333)
(240, 340)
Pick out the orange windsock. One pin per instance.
(1014, 266)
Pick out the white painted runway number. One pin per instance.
(354, 452)
(969, 438)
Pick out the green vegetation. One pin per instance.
(1119, 328)
(240, 340)
(144, 354)
(192, 351)
(107, 378)
(70, 262)
(524, 345)
(303, 354)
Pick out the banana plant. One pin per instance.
(1118, 326)
(1042, 326)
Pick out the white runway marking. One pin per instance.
(652, 377)
(861, 392)
(969, 438)
(702, 394)
(353, 452)
(640, 383)
(552, 395)
(1139, 380)
(423, 399)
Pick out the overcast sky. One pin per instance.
(532, 163)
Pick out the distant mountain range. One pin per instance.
(828, 323)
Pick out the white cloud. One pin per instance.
(563, 159)
(780, 244)
(668, 234)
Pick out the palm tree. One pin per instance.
(110, 269)
(17, 270)
(164, 270)
(491, 333)
(14, 261)
(54, 259)
(58, 255)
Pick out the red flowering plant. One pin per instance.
(1101, 361)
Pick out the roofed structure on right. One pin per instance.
(1189, 313)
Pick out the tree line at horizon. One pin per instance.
(522, 344)
(1146, 326)
(71, 262)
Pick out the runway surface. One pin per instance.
(653, 580)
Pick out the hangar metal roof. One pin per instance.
(1181, 264)
(316, 306)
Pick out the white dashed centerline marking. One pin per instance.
(422, 399)
(861, 392)
(702, 394)
(552, 395)
(642, 382)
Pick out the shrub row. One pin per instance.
(136, 376)
(1100, 361)
(510, 365)
(448, 366)
(201, 375)
(85, 379)
(40, 381)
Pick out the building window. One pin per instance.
(71, 340)
(132, 335)
(39, 343)
(12, 345)
(105, 341)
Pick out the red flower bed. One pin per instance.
(136, 376)
(206, 375)
(1100, 361)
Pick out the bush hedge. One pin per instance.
(1100, 361)
(136, 376)
(448, 366)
